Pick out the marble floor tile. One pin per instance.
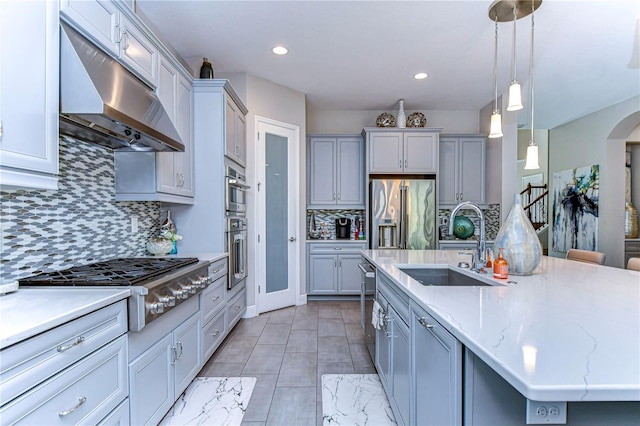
(235, 349)
(260, 402)
(351, 316)
(293, 406)
(298, 369)
(305, 322)
(274, 334)
(250, 326)
(330, 327)
(354, 333)
(355, 400)
(221, 369)
(302, 341)
(265, 359)
(282, 316)
(212, 401)
(329, 311)
(333, 349)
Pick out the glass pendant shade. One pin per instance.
(532, 158)
(495, 130)
(515, 97)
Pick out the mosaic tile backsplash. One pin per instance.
(80, 223)
(491, 221)
(329, 218)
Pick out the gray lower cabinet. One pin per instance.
(163, 371)
(333, 268)
(393, 349)
(436, 370)
(401, 366)
(52, 378)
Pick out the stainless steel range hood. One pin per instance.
(102, 102)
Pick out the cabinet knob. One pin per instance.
(406, 163)
(292, 239)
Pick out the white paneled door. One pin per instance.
(277, 173)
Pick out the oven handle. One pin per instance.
(240, 251)
(367, 270)
(238, 184)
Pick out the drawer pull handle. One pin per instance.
(81, 401)
(423, 322)
(216, 271)
(337, 248)
(64, 348)
(215, 333)
(213, 299)
(237, 307)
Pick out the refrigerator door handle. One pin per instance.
(402, 243)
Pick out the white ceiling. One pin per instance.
(362, 55)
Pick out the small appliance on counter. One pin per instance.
(343, 228)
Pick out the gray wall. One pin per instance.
(270, 100)
(599, 138)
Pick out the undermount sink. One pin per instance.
(441, 277)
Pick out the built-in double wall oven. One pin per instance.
(236, 232)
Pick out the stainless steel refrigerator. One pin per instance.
(403, 213)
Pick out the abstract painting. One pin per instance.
(575, 209)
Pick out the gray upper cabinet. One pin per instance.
(118, 32)
(336, 172)
(462, 169)
(29, 54)
(235, 139)
(402, 151)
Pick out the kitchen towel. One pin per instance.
(376, 315)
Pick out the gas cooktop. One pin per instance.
(114, 272)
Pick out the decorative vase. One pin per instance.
(206, 70)
(630, 221)
(522, 248)
(402, 118)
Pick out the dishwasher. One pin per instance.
(367, 295)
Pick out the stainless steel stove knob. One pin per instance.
(180, 293)
(168, 301)
(198, 283)
(156, 308)
(191, 289)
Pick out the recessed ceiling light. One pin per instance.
(421, 76)
(280, 50)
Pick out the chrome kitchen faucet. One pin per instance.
(482, 244)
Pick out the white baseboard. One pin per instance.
(302, 299)
(250, 312)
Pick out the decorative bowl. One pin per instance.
(416, 119)
(386, 120)
(463, 227)
(159, 246)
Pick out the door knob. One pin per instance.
(292, 239)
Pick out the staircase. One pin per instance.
(535, 205)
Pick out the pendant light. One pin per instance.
(495, 131)
(515, 92)
(532, 149)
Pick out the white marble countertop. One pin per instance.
(30, 311)
(569, 332)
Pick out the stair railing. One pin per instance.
(535, 204)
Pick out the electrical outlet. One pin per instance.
(134, 224)
(544, 413)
